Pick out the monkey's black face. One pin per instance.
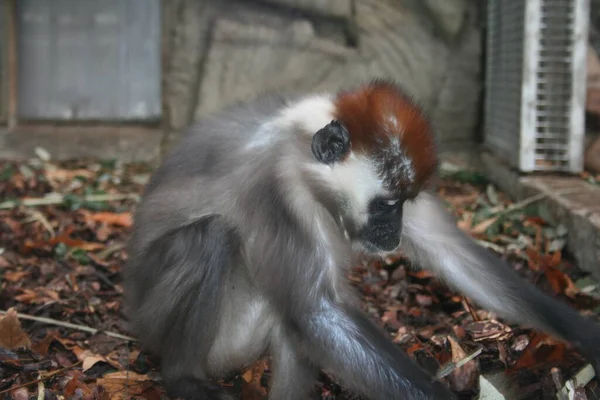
(384, 226)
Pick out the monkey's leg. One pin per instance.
(435, 241)
(294, 376)
(177, 314)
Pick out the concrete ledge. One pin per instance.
(501, 174)
(571, 201)
(126, 143)
(576, 204)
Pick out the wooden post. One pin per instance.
(12, 64)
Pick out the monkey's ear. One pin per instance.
(331, 143)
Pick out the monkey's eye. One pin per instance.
(388, 202)
(382, 205)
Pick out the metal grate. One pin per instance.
(535, 83)
(89, 60)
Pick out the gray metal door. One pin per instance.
(89, 59)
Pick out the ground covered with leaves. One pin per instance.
(63, 227)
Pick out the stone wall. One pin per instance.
(220, 51)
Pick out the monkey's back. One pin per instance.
(208, 168)
(221, 166)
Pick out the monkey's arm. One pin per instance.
(434, 240)
(345, 342)
(340, 338)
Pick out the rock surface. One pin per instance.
(222, 51)
(335, 8)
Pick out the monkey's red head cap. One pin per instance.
(389, 128)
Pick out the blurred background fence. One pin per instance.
(122, 78)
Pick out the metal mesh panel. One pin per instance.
(535, 82)
(504, 77)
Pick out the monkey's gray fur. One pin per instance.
(239, 251)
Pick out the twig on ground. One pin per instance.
(449, 367)
(426, 348)
(84, 328)
(35, 215)
(50, 375)
(58, 199)
(557, 379)
(490, 245)
(41, 391)
(469, 309)
(104, 254)
(530, 200)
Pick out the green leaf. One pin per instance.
(472, 177)
(60, 250)
(561, 230)
(7, 172)
(80, 256)
(539, 209)
(529, 231)
(481, 215)
(72, 202)
(108, 163)
(96, 205)
(492, 195)
(495, 228)
(81, 178)
(584, 282)
(26, 171)
(544, 212)
(557, 245)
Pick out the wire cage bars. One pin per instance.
(536, 83)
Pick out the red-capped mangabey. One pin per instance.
(244, 234)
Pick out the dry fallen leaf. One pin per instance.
(464, 377)
(457, 200)
(39, 296)
(541, 349)
(119, 219)
(57, 175)
(488, 330)
(465, 223)
(390, 318)
(252, 388)
(64, 238)
(41, 347)
(122, 384)
(481, 227)
(560, 282)
(421, 274)
(90, 358)
(15, 276)
(20, 394)
(12, 335)
(76, 384)
(4, 262)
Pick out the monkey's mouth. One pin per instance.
(368, 251)
(381, 238)
(379, 249)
